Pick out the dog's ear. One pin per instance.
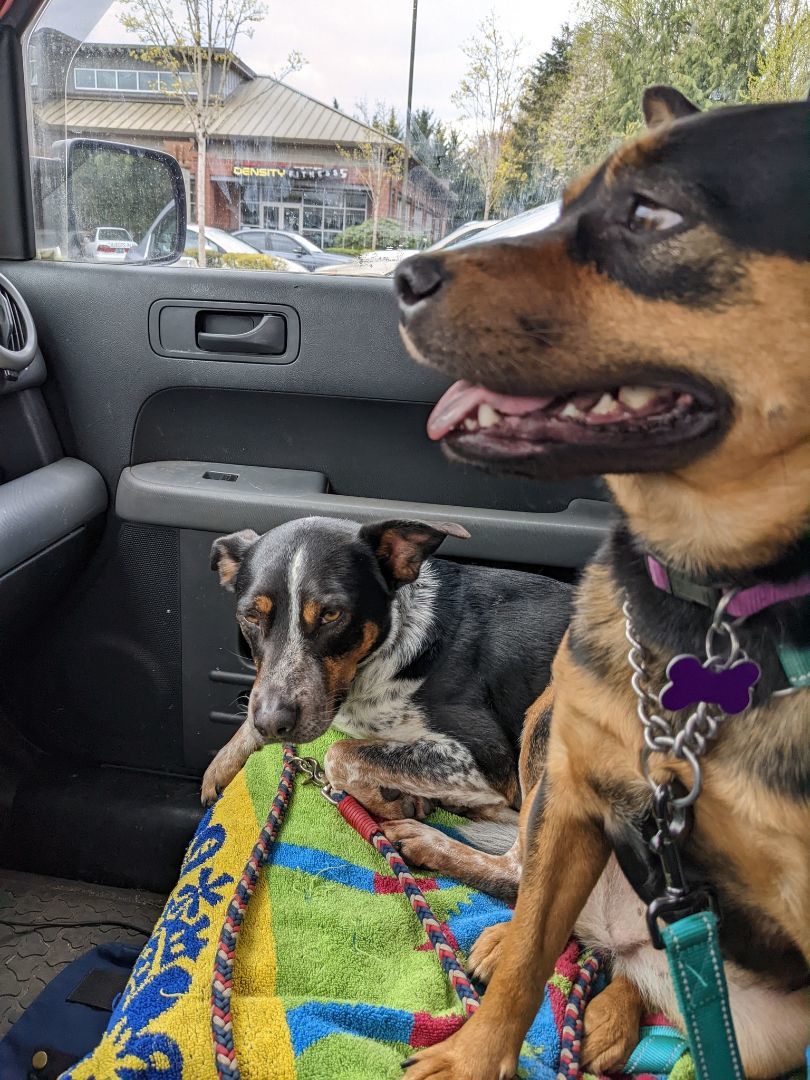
(402, 546)
(664, 103)
(227, 554)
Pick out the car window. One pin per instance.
(112, 234)
(285, 244)
(255, 238)
(349, 147)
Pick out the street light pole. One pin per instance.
(408, 118)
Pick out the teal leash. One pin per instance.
(696, 965)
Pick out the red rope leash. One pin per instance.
(364, 824)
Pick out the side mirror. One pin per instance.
(124, 203)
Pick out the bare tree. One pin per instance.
(193, 41)
(378, 160)
(487, 99)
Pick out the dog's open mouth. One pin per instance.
(480, 424)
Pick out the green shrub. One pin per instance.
(241, 260)
(390, 234)
(344, 250)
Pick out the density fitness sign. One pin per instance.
(291, 172)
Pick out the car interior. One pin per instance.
(134, 429)
(151, 404)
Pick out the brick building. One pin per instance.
(276, 157)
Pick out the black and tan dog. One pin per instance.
(429, 664)
(659, 334)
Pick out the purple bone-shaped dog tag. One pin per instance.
(690, 683)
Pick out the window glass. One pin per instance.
(285, 244)
(84, 79)
(149, 81)
(163, 236)
(510, 101)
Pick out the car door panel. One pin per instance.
(340, 430)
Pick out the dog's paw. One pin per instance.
(472, 1053)
(217, 777)
(611, 1026)
(486, 952)
(418, 844)
(398, 804)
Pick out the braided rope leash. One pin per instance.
(363, 823)
(222, 981)
(571, 1034)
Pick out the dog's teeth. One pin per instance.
(470, 424)
(487, 416)
(604, 406)
(637, 397)
(571, 412)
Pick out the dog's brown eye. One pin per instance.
(330, 615)
(647, 216)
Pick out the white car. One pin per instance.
(384, 263)
(108, 244)
(217, 241)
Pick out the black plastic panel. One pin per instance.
(108, 826)
(367, 448)
(28, 439)
(101, 679)
(16, 205)
(38, 584)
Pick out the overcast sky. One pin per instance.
(359, 49)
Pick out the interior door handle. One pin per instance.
(267, 338)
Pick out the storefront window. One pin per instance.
(249, 209)
(319, 209)
(333, 219)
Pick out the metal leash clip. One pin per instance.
(679, 898)
(310, 767)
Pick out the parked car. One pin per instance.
(533, 220)
(291, 246)
(384, 263)
(160, 236)
(108, 244)
(220, 242)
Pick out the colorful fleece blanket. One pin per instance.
(333, 975)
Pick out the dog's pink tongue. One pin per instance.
(463, 399)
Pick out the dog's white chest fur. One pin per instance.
(379, 705)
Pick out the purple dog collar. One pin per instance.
(745, 603)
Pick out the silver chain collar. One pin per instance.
(689, 743)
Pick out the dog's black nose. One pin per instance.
(418, 278)
(275, 719)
